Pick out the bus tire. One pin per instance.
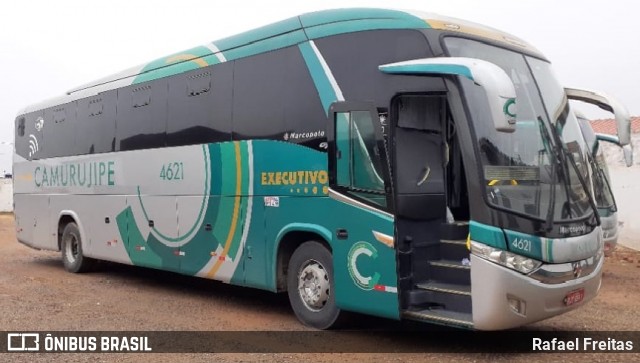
(71, 247)
(311, 287)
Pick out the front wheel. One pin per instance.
(310, 286)
(71, 247)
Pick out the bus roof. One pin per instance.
(278, 35)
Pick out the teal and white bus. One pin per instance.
(603, 193)
(346, 157)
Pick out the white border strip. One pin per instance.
(327, 72)
(216, 51)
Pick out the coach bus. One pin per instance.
(605, 201)
(345, 157)
(603, 193)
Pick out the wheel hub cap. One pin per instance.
(72, 248)
(313, 285)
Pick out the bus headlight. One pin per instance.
(505, 258)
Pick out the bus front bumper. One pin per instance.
(503, 298)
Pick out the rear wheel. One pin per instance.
(310, 286)
(71, 247)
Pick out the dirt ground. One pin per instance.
(37, 294)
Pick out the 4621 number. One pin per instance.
(172, 171)
(521, 244)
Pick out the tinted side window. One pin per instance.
(59, 130)
(305, 118)
(359, 167)
(360, 151)
(20, 126)
(96, 127)
(200, 106)
(258, 99)
(141, 119)
(354, 59)
(21, 137)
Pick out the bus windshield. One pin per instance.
(602, 187)
(602, 191)
(539, 171)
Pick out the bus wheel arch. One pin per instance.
(63, 221)
(70, 244)
(288, 240)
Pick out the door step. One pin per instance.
(450, 264)
(445, 287)
(441, 316)
(454, 231)
(450, 271)
(460, 242)
(453, 249)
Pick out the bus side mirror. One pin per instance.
(500, 91)
(607, 103)
(627, 150)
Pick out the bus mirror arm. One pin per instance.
(627, 149)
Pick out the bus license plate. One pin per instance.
(574, 297)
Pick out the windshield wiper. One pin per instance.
(561, 151)
(557, 164)
(613, 205)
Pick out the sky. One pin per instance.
(50, 47)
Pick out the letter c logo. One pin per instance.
(359, 249)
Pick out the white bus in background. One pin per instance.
(602, 188)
